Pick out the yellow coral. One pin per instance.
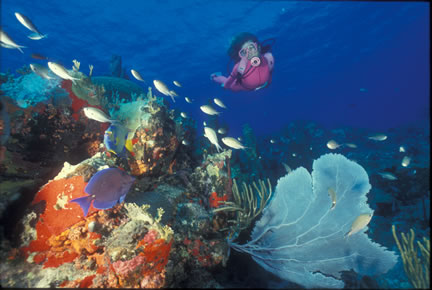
(416, 269)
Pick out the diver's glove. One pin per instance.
(216, 74)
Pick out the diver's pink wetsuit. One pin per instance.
(253, 78)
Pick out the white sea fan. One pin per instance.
(302, 239)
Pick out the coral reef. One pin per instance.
(120, 247)
(188, 202)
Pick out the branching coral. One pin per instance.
(416, 269)
(247, 204)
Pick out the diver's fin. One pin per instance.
(260, 87)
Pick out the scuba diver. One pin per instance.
(253, 64)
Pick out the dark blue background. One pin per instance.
(361, 64)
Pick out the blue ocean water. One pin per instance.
(361, 64)
(340, 64)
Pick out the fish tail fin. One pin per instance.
(218, 147)
(129, 145)
(172, 97)
(19, 48)
(84, 202)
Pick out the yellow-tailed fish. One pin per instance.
(359, 223)
(128, 144)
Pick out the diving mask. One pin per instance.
(249, 50)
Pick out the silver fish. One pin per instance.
(359, 223)
(222, 131)
(332, 194)
(332, 144)
(406, 161)
(402, 149)
(188, 100)
(185, 142)
(210, 134)
(97, 115)
(183, 114)
(37, 36)
(162, 88)
(177, 84)
(233, 143)
(351, 145)
(219, 103)
(378, 137)
(60, 71)
(209, 110)
(272, 141)
(7, 42)
(387, 175)
(136, 75)
(41, 71)
(24, 20)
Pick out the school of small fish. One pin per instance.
(116, 137)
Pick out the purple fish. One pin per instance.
(105, 188)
